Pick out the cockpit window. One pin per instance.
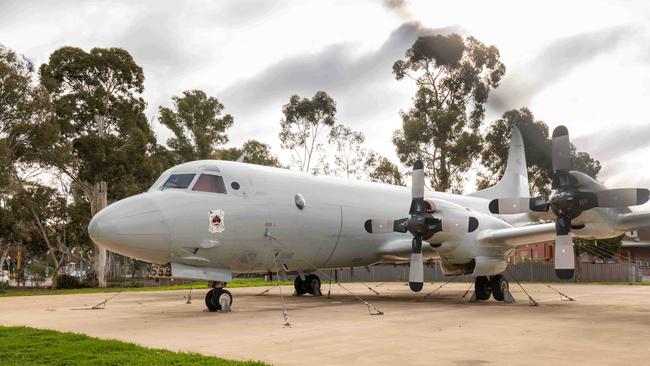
(209, 183)
(181, 181)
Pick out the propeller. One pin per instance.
(568, 201)
(421, 224)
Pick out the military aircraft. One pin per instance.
(208, 219)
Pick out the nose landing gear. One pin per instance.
(218, 299)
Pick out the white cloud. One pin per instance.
(231, 48)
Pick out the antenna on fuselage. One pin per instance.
(241, 158)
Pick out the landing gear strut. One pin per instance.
(495, 286)
(218, 299)
(310, 285)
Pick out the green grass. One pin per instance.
(22, 346)
(237, 282)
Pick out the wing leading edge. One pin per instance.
(519, 236)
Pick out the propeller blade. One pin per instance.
(459, 224)
(378, 226)
(560, 149)
(517, 205)
(622, 197)
(564, 255)
(416, 268)
(382, 226)
(417, 180)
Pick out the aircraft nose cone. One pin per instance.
(134, 227)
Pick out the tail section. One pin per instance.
(514, 182)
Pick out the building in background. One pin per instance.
(636, 247)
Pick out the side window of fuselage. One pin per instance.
(210, 183)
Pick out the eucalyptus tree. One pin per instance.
(24, 107)
(350, 155)
(198, 124)
(537, 144)
(255, 152)
(380, 169)
(303, 128)
(102, 139)
(453, 77)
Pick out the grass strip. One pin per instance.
(23, 346)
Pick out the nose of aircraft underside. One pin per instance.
(134, 227)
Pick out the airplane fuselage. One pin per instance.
(264, 229)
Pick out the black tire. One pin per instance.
(208, 301)
(482, 288)
(312, 285)
(298, 285)
(499, 286)
(217, 294)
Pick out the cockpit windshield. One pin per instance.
(209, 183)
(178, 181)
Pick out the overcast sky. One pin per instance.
(584, 64)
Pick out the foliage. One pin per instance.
(56, 348)
(65, 281)
(453, 77)
(380, 169)
(350, 156)
(24, 105)
(537, 147)
(255, 152)
(303, 123)
(103, 141)
(197, 124)
(103, 135)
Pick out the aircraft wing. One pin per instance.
(518, 236)
(632, 220)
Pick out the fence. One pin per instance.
(533, 272)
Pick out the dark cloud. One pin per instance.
(552, 63)
(615, 142)
(337, 69)
(401, 8)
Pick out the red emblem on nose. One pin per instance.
(216, 220)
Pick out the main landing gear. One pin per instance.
(218, 299)
(310, 285)
(495, 286)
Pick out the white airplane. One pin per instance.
(208, 219)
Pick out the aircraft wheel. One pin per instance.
(218, 295)
(312, 285)
(298, 286)
(482, 288)
(499, 286)
(208, 301)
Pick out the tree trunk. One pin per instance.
(443, 182)
(99, 200)
(55, 271)
(3, 257)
